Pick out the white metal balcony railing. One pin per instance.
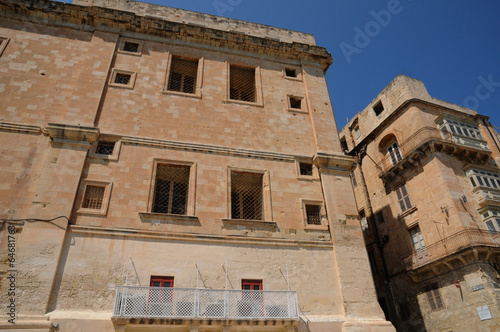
(158, 302)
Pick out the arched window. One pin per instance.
(389, 147)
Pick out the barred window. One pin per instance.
(433, 296)
(305, 168)
(394, 153)
(246, 196)
(313, 213)
(105, 148)
(183, 75)
(483, 179)
(122, 78)
(242, 84)
(93, 197)
(403, 198)
(462, 129)
(171, 189)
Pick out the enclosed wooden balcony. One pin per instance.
(455, 247)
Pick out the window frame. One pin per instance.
(491, 216)
(432, 295)
(258, 84)
(267, 214)
(324, 218)
(4, 41)
(394, 153)
(121, 46)
(412, 231)
(190, 204)
(303, 104)
(107, 138)
(304, 160)
(399, 191)
(105, 199)
(298, 73)
(376, 107)
(461, 128)
(478, 178)
(162, 280)
(115, 72)
(199, 75)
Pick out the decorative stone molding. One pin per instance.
(71, 134)
(29, 129)
(336, 161)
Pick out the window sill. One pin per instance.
(291, 78)
(316, 227)
(183, 94)
(297, 110)
(407, 212)
(165, 218)
(94, 212)
(242, 102)
(246, 224)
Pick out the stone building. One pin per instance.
(165, 170)
(427, 185)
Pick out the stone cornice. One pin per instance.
(333, 161)
(172, 236)
(90, 18)
(70, 133)
(17, 127)
(206, 148)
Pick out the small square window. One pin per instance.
(290, 72)
(305, 168)
(93, 197)
(295, 102)
(132, 47)
(121, 78)
(313, 213)
(105, 148)
(378, 108)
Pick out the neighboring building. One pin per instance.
(427, 184)
(147, 147)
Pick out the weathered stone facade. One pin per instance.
(100, 100)
(427, 185)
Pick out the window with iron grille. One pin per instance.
(132, 47)
(246, 196)
(183, 75)
(105, 148)
(305, 168)
(93, 197)
(242, 84)
(171, 189)
(313, 213)
(122, 78)
(403, 198)
(433, 296)
(480, 178)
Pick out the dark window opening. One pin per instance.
(378, 108)
(306, 168)
(433, 296)
(131, 47)
(290, 72)
(295, 103)
(246, 196)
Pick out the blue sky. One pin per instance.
(453, 46)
